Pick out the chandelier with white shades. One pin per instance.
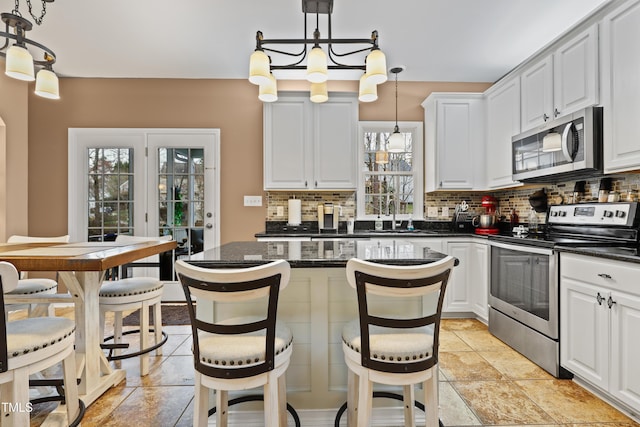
(20, 63)
(322, 55)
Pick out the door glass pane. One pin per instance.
(181, 194)
(109, 192)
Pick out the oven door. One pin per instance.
(524, 285)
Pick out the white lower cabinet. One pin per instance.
(468, 288)
(599, 324)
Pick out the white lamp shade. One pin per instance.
(382, 157)
(368, 91)
(269, 92)
(552, 142)
(317, 66)
(19, 64)
(396, 143)
(259, 71)
(319, 92)
(376, 67)
(47, 84)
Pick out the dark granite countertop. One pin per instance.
(368, 234)
(318, 254)
(614, 253)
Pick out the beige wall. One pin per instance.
(230, 105)
(14, 149)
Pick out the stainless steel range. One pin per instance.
(524, 292)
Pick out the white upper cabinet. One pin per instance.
(503, 122)
(561, 82)
(620, 48)
(310, 146)
(536, 83)
(575, 73)
(455, 141)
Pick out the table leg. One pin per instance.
(97, 375)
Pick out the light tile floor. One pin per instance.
(483, 382)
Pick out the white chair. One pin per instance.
(28, 346)
(398, 349)
(132, 293)
(239, 353)
(33, 288)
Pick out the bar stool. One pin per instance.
(28, 346)
(132, 293)
(238, 353)
(394, 350)
(33, 288)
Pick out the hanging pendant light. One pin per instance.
(47, 85)
(259, 68)
(396, 140)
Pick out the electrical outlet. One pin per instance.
(280, 211)
(253, 200)
(432, 212)
(445, 211)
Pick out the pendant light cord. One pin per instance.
(396, 100)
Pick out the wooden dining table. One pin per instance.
(82, 267)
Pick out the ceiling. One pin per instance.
(437, 40)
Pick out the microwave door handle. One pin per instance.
(568, 146)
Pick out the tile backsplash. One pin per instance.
(514, 198)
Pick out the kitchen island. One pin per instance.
(316, 305)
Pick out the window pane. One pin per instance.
(109, 192)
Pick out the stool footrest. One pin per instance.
(58, 384)
(386, 394)
(112, 347)
(257, 398)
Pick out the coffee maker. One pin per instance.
(487, 223)
(328, 217)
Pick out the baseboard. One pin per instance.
(625, 409)
(381, 417)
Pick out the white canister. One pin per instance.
(613, 197)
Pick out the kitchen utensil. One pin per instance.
(538, 200)
(484, 221)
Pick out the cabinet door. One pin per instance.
(479, 285)
(537, 94)
(584, 331)
(287, 130)
(620, 87)
(575, 79)
(503, 122)
(457, 298)
(454, 137)
(335, 146)
(625, 349)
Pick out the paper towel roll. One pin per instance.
(295, 212)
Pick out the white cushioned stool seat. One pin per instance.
(118, 290)
(35, 286)
(390, 345)
(34, 334)
(241, 350)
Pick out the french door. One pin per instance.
(145, 182)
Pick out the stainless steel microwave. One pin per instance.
(569, 147)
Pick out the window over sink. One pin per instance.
(381, 184)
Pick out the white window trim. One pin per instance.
(416, 128)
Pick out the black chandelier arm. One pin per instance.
(50, 56)
(330, 67)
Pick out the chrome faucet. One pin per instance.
(392, 200)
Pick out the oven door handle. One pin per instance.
(522, 248)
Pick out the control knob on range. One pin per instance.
(607, 214)
(620, 214)
(563, 213)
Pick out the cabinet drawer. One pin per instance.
(616, 275)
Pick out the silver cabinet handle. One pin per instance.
(610, 302)
(599, 298)
(605, 275)
(545, 117)
(556, 113)
(209, 225)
